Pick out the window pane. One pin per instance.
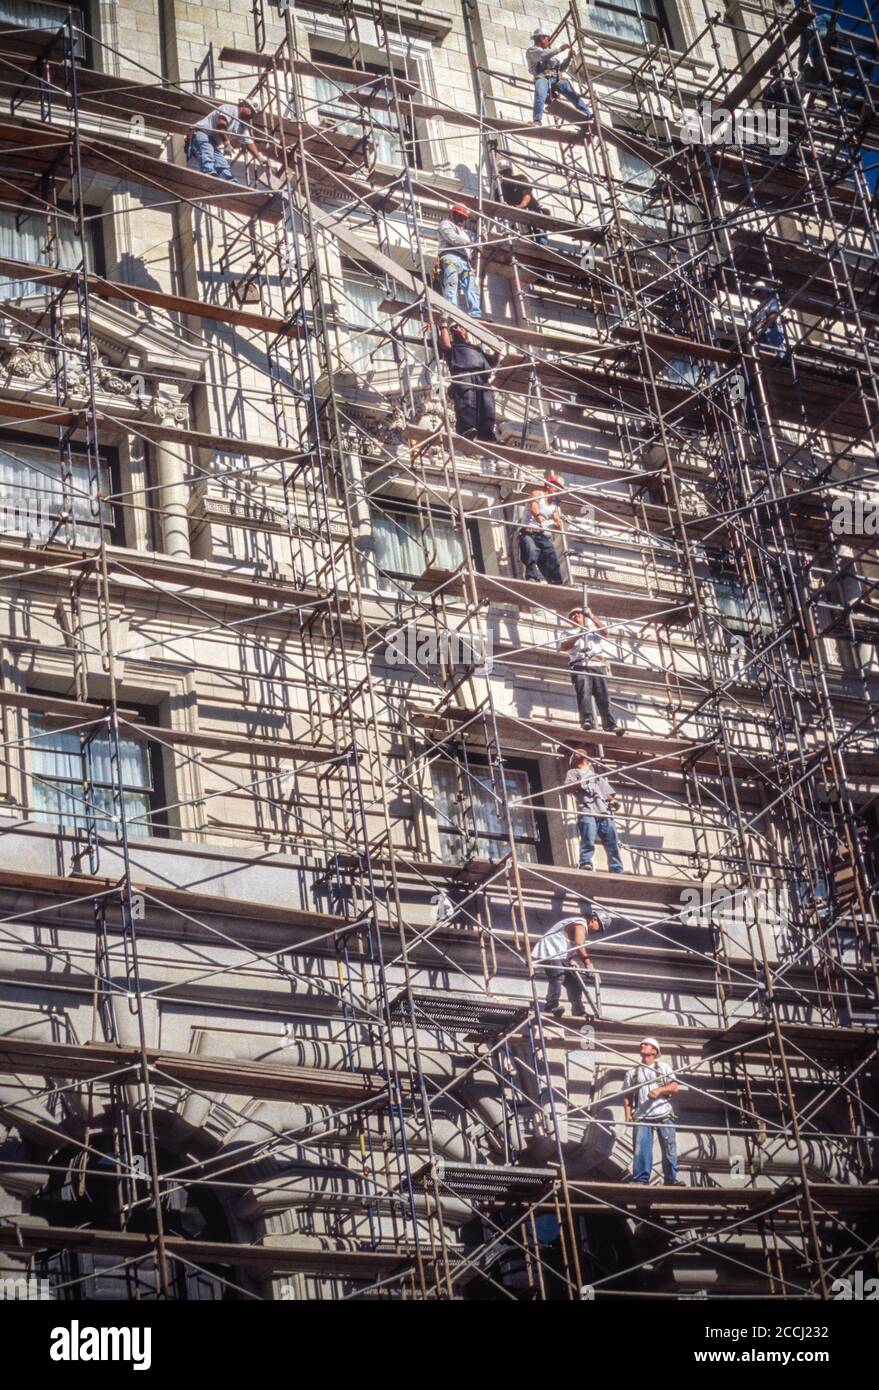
(27, 239)
(343, 115)
(31, 494)
(400, 548)
(134, 759)
(476, 807)
(57, 765)
(631, 21)
(32, 15)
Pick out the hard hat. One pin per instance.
(540, 33)
(460, 209)
(650, 1042)
(593, 911)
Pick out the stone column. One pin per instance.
(169, 409)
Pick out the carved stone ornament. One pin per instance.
(168, 407)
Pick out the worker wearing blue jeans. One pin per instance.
(603, 828)
(458, 277)
(647, 1105)
(545, 66)
(209, 156)
(547, 87)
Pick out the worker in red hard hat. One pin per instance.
(454, 255)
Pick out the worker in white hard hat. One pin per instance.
(545, 65)
(647, 1104)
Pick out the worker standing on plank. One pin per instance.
(517, 192)
(470, 366)
(648, 1109)
(545, 66)
(210, 140)
(540, 517)
(454, 251)
(595, 807)
(559, 952)
(589, 665)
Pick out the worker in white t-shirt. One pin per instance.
(648, 1108)
(560, 951)
(540, 518)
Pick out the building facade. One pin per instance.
(288, 729)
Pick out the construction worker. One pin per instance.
(470, 366)
(589, 665)
(210, 140)
(647, 1106)
(595, 806)
(766, 324)
(560, 950)
(454, 251)
(517, 192)
(540, 517)
(545, 66)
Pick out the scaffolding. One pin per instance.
(691, 350)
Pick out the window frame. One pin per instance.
(408, 135)
(109, 457)
(389, 505)
(640, 13)
(531, 768)
(156, 797)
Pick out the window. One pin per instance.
(73, 778)
(35, 15)
(640, 191)
(402, 545)
(739, 608)
(26, 238)
(381, 125)
(31, 494)
(641, 21)
(466, 806)
(364, 352)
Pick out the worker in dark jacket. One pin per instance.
(517, 192)
(470, 366)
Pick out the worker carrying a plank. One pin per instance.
(589, 664)
(470, 367)
(517, 192)
(454, 254)
(540, 517)
(595, 807)
(210, 142)
(545, 65)
(561, 951)
(648, 1108)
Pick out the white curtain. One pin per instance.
(26, 239)
(381, 126)
(480, 810)
(400, 550)
(31, 494)
(359, 307)
(59, 766)
(27, 14)
(631, 20)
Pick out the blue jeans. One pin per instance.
(537, 553)
(457, 275)
(545, 90)
(642, 1165)
(210, 159)
(601, 828)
